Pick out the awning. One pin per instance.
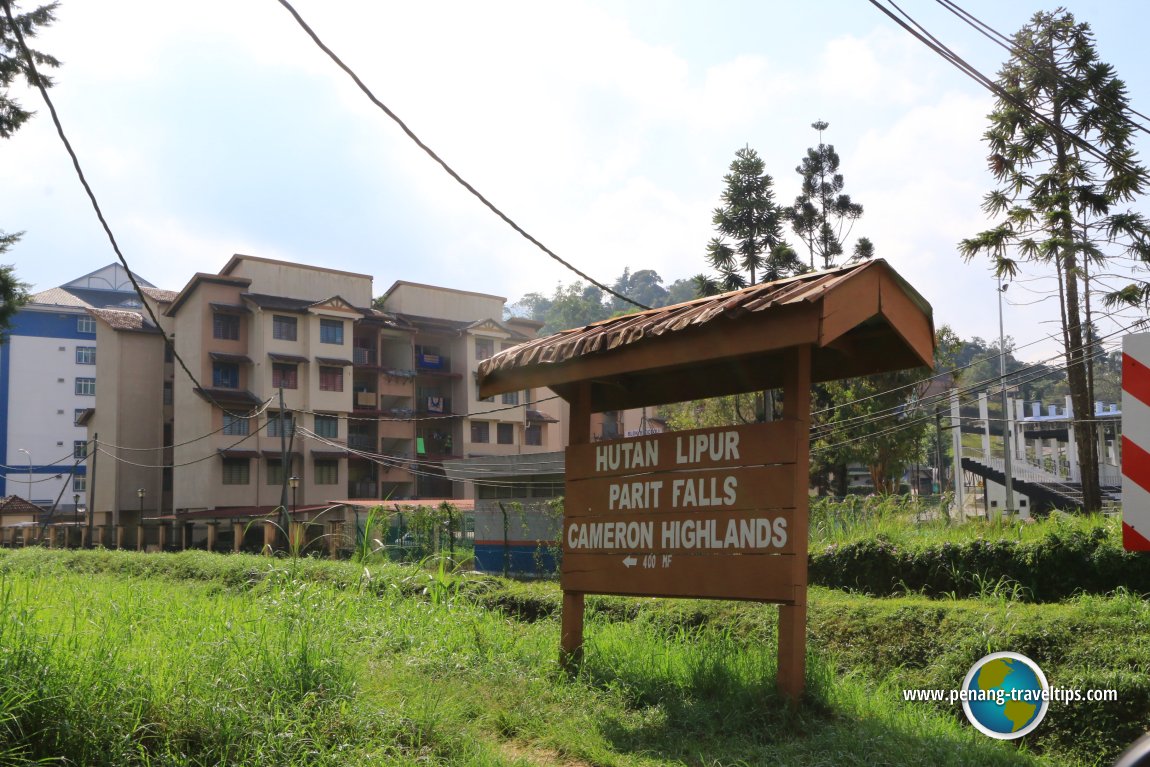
(231, 452)
(225, 357)
(336, 361)
(293, 454)
(294, 359)
(328, 453)
(230, 308)
(228, 396)
(538, 416)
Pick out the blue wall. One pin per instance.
(49, 325)
(525, 559)
(35, 324)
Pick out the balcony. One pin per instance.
(396, 430)
(361, 442)
(433, 362)
(362, 356)
(363, 489)
(394, 386)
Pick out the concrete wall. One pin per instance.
(281, 278)
(443, 303)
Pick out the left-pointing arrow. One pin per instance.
(630, 561)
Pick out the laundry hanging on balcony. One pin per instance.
(435, 404)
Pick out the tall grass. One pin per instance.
(292, 669)
(910, 520)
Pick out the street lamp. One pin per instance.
(75, 502)
(142, 493)
(293, 483)
(25, 452)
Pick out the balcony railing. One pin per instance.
(433, 362)
(363, 489)
(361, 441)
(363, 356)
(366, 399)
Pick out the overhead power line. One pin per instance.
(1007, 44)
(921, 34)
(92, 197)
(443, 164)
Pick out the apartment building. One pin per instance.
(48, 377)
(299, 381)
(453, 331)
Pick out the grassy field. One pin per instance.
(115, 658)
(906, 520)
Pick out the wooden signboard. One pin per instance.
(707, 513)
(715, 513)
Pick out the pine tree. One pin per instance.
(822, 211)
(749, 223)
(1061, 150)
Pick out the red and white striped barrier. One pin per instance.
(1136, 442)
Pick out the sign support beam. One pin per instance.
(571, 631)
(793, 617)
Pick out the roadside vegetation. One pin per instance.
(119, 658)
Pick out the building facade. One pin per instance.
(455, 330)
(47, 379)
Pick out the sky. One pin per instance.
(603, 128)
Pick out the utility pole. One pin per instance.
(1007, 441)
(284, 517)
(92, 488)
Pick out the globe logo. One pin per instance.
(1005, 695)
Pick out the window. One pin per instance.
(327, 426)
(278, 427)
(234, 426)
(285, 375)
(237, 471)
(226, 326)
(85, 355)
(79, 484)
(225, 375)
(86, 325)
(505, 433)
(76, 415)
(480, 431)
(330, 379)
(86, 387)
(511, 398)
(533, 435)
(484, 348)
(283, 328)
(80, 449)
(331, 331)
(326, 472)
(275, 471)
(167, 392)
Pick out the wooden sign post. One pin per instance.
(710, 513)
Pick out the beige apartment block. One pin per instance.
(290, 359)
(261, 330)
(129, 475)
(454, 330)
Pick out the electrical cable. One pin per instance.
(95, 203)
(443, 164)
(1007, 44)
(254, 414)
(957, 61)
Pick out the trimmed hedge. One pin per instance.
(1061, 564)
